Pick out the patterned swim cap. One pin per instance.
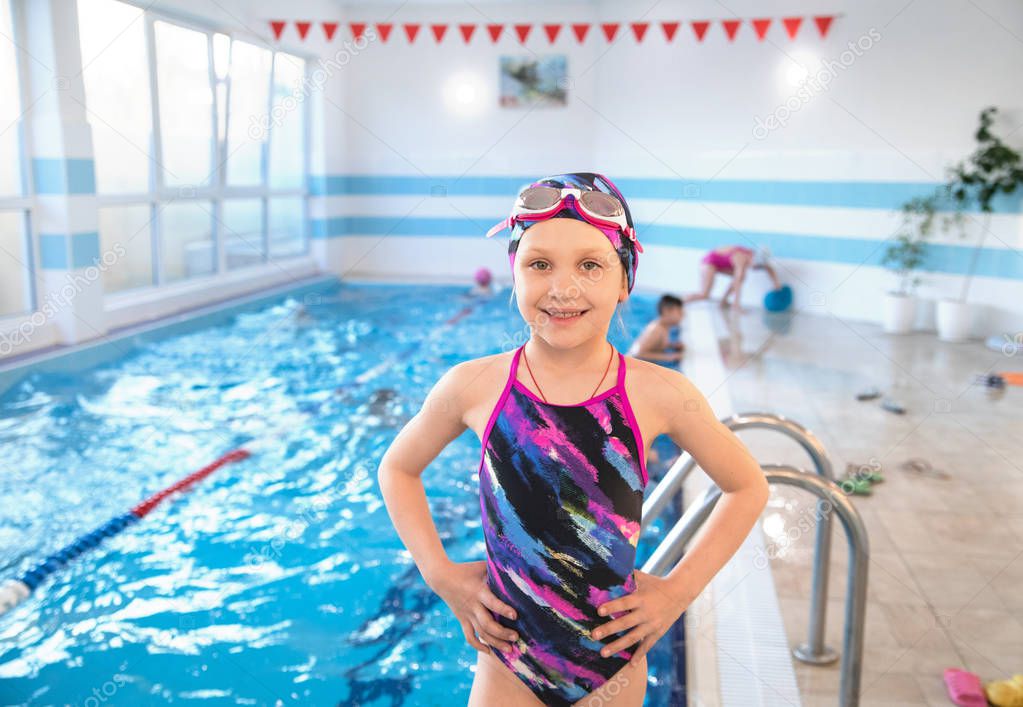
(586, 181)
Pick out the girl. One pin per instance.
(732, 260)
(557, 611)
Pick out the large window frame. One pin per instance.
(218, 190)
(25, 204)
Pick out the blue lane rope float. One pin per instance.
(15, 591)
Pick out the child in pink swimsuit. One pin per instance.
(723, 260)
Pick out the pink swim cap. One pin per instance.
(483, 276)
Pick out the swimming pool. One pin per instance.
(279, 578)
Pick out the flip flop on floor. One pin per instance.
(964, 688)
(1006, 693)
(863, 472)
(919, 465)
(855, 486)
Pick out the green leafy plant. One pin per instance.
(908, 250)
(993, 168)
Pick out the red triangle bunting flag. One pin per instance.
(792, 25)
(277, 27)
(358, 29)
(438, 31)
(466, 31)
(411, 30)
(823, 24)
(329, 28)
(731, 27)
(700, 28)
(610, 30)
(495, 32)
(670, 28)
(552, 32)
(639, 29)
(303, 28)
(580, 29)
(384, 28)
(523, 31)
(760, 27)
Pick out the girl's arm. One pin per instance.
(692, 424)
(438, 422)
(462, 586)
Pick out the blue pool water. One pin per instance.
(278, 579)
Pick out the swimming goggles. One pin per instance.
(539, 203)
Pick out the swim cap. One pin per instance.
(483, 276)
(586, 181)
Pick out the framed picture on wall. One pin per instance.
(528, 78)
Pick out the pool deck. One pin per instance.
(946, 564)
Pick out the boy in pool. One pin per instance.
(655, 343)
(557, 610)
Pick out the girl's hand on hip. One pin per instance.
(649, 611)
(464, 589)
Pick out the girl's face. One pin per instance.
(564, 266)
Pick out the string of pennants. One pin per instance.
(580, 30)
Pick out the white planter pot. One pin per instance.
(955, 320)
(899, 313)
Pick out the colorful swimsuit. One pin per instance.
(561, 495)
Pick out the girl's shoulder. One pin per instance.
(476, 376)
(662, 390)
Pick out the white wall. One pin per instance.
(899, 109)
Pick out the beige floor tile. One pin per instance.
(946, 573)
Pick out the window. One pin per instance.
(186, 239)
(200, 142)
(285, 226)
(10, 109)
(243, 227)
(250, 100)
(186, 105)
(16, 294)
(129, 228)
(117, 101)
(287, 138)
(15, 257)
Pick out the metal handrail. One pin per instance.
(829, 494)
(814, 651)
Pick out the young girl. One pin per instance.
(557, 611)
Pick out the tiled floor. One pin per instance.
(946, 565)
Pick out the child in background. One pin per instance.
(655, 343)
(484, 283)
(557, 611)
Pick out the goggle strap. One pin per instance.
(497, 228)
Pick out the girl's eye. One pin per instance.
(537, 262)
(591, 262)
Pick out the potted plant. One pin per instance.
(993, 168)
(903, 256)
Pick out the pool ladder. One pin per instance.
(830, 498)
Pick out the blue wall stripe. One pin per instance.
(853, 195)
(953, 259)
(63, 176)
(53, 251)
(84, 249)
